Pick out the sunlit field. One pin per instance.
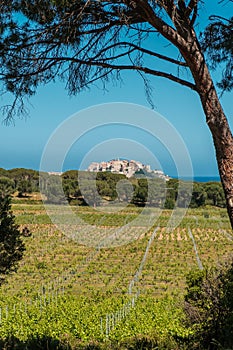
(86, 282)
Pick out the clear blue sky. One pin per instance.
(22, 144)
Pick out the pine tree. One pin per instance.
(11, 244)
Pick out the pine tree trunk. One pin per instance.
(183, 36)
(216, 120)
(223, 142)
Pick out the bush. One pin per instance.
(209, 307)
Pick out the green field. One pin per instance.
(77, 293)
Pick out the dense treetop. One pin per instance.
(82, 41)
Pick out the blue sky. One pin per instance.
(22, 144)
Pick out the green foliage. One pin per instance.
(51, 188)
(63, 289)
(77, 319)
(7, 186)
(199, 195)
(106, 186)
(172, 189)
(22, 180)
(71, 29)
(169, 203)
(215, 194)
(194, 282)
(11, 245)
(217, 42)
(209, 306)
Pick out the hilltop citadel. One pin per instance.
(127, 167)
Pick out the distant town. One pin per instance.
(127, 167)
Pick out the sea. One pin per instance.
(201, 178)
(207, 178)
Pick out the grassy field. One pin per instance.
(77, 292)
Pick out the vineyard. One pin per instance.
(126, 279)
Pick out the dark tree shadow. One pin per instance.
(48, 343)
(37, 343)
(44, 343)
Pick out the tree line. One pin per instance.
(140, 191)
(85, 188)
(20, 180)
